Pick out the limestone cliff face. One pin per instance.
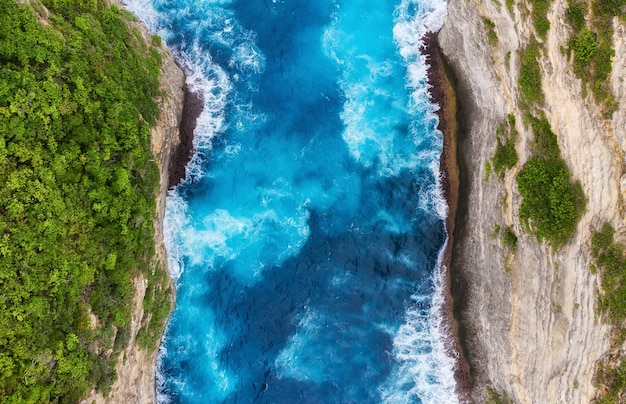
(136, 367)
(530, 331)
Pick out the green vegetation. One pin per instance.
(540, 17)
(575, 15)
(490, 28)
(505, 156)
(611, 264)
(610, 261)
(584, 46)
(159, 305)
(495, 397)
(613, 380)
(510, 239)
(77, 188)
(495, 231)
(529, 80)
(509, 5)
(545, 144)
(591, 45)
(552, 204)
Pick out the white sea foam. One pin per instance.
(145, 11)
(425, 369)
(205, 350)
(250, 242)
(372, 139)
(298, 360)
(176, 219)
(213, 84)
(247, 58)
(203, 76)
(414, 19)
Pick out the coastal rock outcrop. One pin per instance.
(136, 367)
(528, 316)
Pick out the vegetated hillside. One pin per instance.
(543, 106)
(77, 195)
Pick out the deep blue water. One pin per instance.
(305, 239)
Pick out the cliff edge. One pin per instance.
(528, 314)
(136, 366)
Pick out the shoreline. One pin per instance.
(176, 172)
(442, 93)
(193, 105)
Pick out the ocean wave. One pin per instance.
(259, 216)
(424, 367)
(403, 137)
(176, 219)
(201, 355)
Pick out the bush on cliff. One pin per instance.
(591, 43)
(505, 156)
(529, 80)
(609, 257)
(552, 204)
(77, 188)
(540, 17)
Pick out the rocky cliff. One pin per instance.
(528, 314)
(136, 367)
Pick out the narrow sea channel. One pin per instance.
(305, 240)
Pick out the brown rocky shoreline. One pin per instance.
(192, 107)
(442, 93)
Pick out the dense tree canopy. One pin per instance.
(77, 188)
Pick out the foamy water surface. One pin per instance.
(306, 238)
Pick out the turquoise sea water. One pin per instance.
(305, 239)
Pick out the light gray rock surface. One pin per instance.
(530, 331)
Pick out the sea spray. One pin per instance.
(306, 239)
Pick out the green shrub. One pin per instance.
(156, 40)
(158, 303)
(509, 5)
(591, 46)
(584, 45)
(490, 28)
(496, 397)
(511, 120)
(540, 17)
(505, 156)
(614, 382)
(611, 263)
(529, 80)
(576, 16)
(611, 266)
(551, 205)
(510, 239)
(546, 143)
